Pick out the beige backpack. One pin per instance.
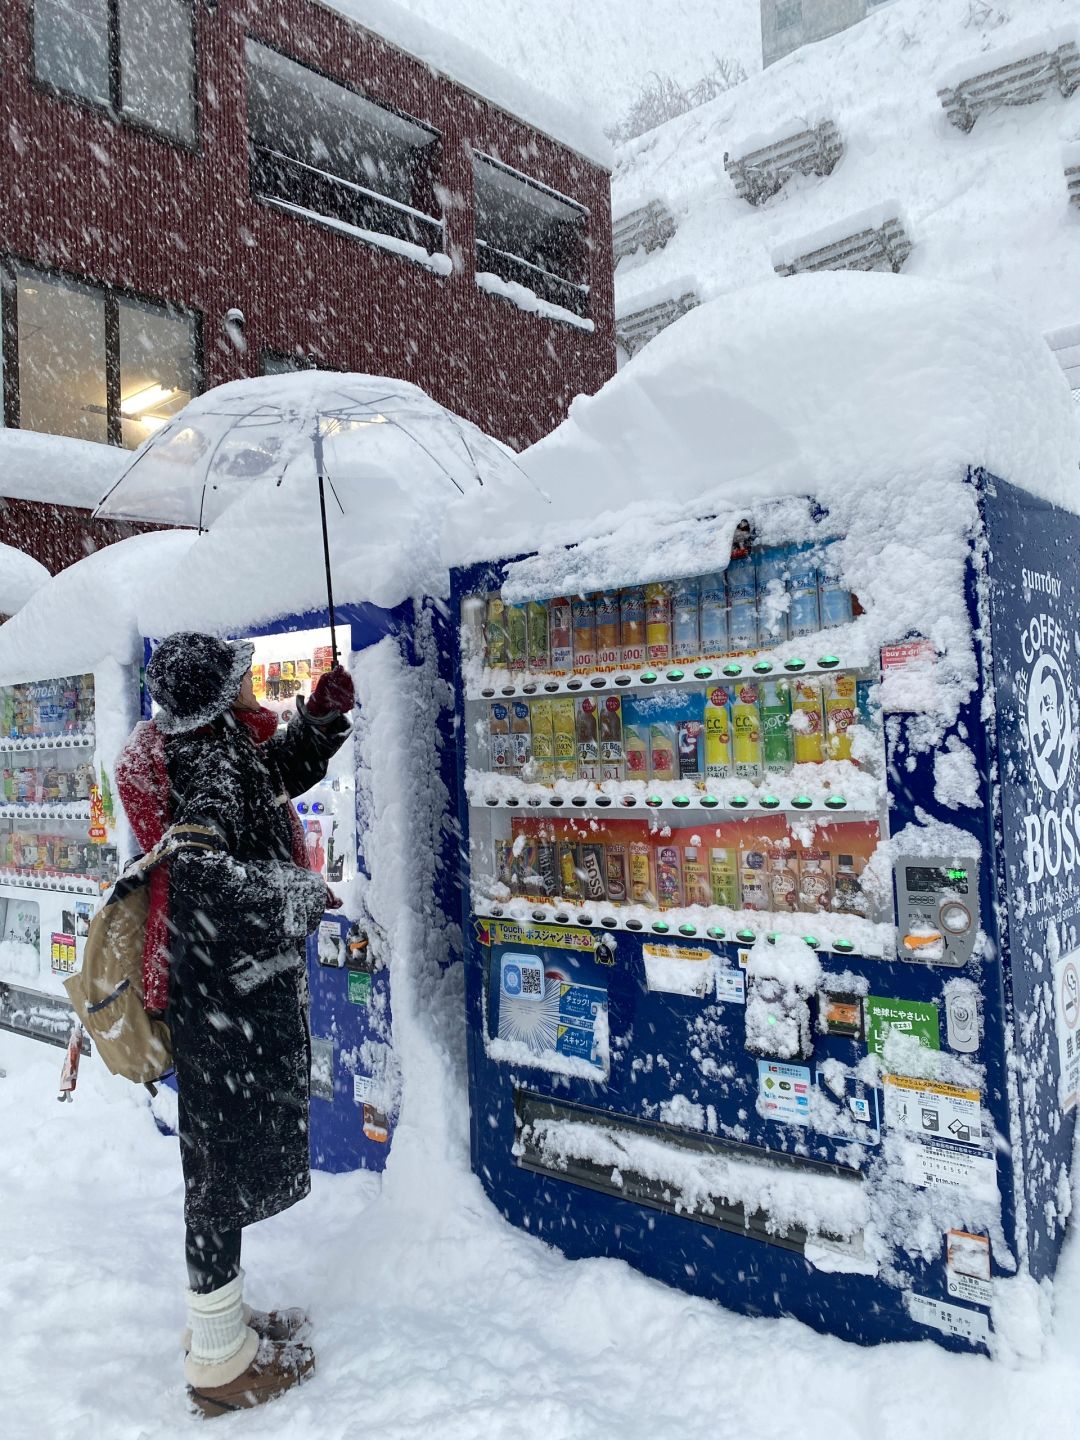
(107, 992)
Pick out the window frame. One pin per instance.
(12, 266)
(313, 217)
(113, 108)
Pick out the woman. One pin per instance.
(238, 914)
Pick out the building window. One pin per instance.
(788, 14)
(321, 150)
(84, 361)
(135, 56)
(529, 235)
(280, 362)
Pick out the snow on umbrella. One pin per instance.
(332, 428)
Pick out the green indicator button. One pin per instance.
(835, 802)
(812, 941)
(733, 668)
(762, 667)
(661, 927)
(654, 800)
(648, 677)
(828, 662)
(703, 672)
(716, 932)
(676, 674)
(771, 937)
(738, 802)
(794, 664)
(687, 929)
(709, 802)
(802, 802)
(769, 802)
(746, 936)
(681, 801)
(845, 947)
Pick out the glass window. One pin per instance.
(528, 234)
(320, 148)
(157, 361)
(61, 365)
(157, 64)
(71, 46)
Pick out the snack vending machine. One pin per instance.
(60, 834)
(771, 934)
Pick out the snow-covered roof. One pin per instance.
(20, 576)
(469, 67)
(56, 470)
(989, 207)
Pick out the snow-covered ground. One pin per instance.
(989, 208)
(433, 1318)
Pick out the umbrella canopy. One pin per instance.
(277, 428)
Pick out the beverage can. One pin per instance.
(526, 875)
(565, 737)
(583, 612)
(560, 636)
(742, 603)
(632, 626)
(504, 859)
(841, 714)
(724, 877)
(495, 639)
(685, 634)
(608, 649)
(517, 644)
(807, 722)
(784, 882)
(635, 730)
(612, 758)
(473, 615)
(669, 886)
(499, 731)
(520, 733)
(848, 896)
(617, 882)
(588, 738)
(541, 721)
(804, 615)
(773, 596)
(592, 872)
(835, 598)
(753, 880)
(642, 879)
(658, 624)
(569, 870)
(815, 881)
(746, 742)
(719, 756)
(536, 613)
(713, 616)
(662, 754)
(546, 867)
(696, 887)
(777, 741)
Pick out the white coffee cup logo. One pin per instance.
(1049, 722)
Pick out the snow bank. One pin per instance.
(20, 576)
(56, 469)
(568, 123)
(989, 208)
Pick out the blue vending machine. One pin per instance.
(771, 938)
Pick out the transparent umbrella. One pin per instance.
(313, 425)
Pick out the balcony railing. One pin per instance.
(555, 289)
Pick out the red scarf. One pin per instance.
(142, 781)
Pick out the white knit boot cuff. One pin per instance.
(217, 1323)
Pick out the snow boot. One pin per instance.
(228, 1366)
(277, 1325)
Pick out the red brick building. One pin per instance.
(192, 192)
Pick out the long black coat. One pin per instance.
(239, 917)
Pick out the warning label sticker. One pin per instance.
(927, 1107)
(967, 1267)
(1067, 1025)
(949, 1319)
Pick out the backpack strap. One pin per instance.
(175, 839)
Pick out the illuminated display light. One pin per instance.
(648, 677)
(845, 947)
(812, 941)
(661, 927)
(836, 802)
(769, 802)
(738, 802)
(709, 802)
(654, 800)
(762, 667)
(703, 672)
(733, 668)
(676, 674)
(716, 932)
(687, 929)
(746, 936)
(802, 802)
(794, 664)
(681, 801)
(828, 662)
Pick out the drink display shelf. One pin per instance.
(498, 684)
(827, 932)
(81, 740)
(67, 884)
(47, 810)
(847, 793)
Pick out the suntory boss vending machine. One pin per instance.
(771, 933)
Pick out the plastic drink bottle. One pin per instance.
(565, 737)
(784, 882)
(611, 738)
(583, 610)
(696, 887)
(658, 624)
(536, 613)
(841, 713)
(807, 722)
(778, 746)
(520, 733)
(632, 627)
(615, 861)
(494, 632)
(719, 756)
(543, 741)
(713, 616)
(608, 649)
(772, 595)
(588, 738)
(815, 880)
(753, 880)
(804, 615)
(560, 635)
(746, 733)
(669, 886)
(685, 634)
(642, 879)
(635, 731)
(835, 598)
(662, 751)
(517, 644)
(742, 603)
(724, 877)
(499, 730)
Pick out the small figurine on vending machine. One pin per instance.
(233, 917)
